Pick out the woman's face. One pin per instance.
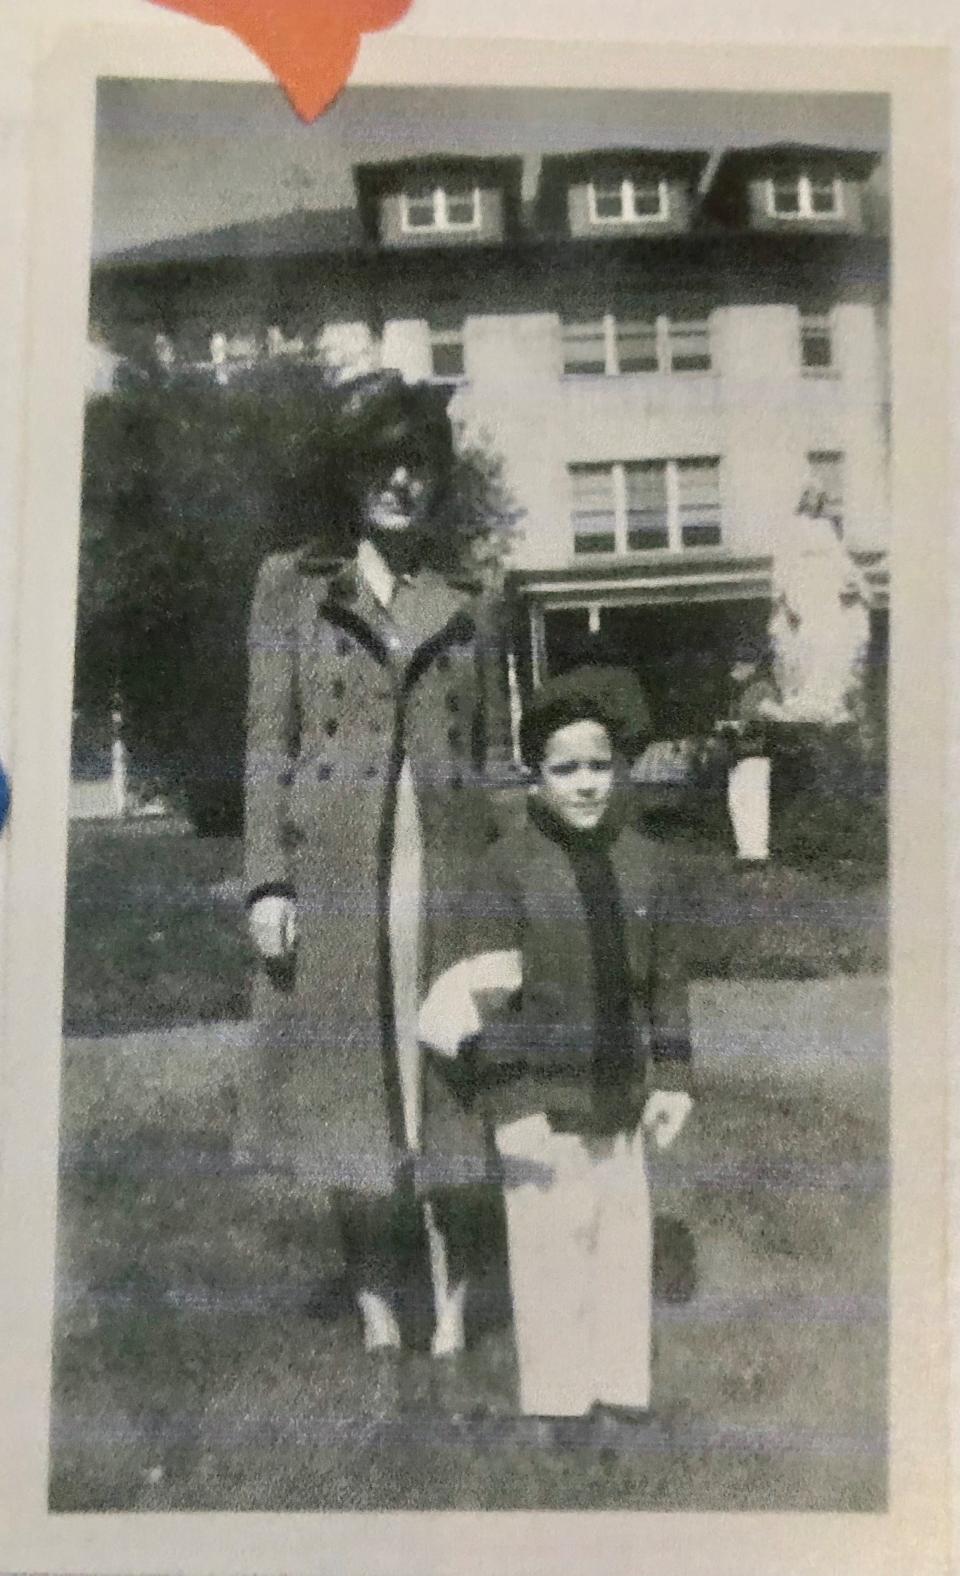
(399, 499)
(576, 774)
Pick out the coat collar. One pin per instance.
(427, 609)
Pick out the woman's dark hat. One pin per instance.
(612, 696)
(383, 418)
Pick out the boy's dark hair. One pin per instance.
(610, 696)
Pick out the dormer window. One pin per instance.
(440, 208)
(628, 201)
(805, 197)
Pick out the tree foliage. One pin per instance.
(188, 484)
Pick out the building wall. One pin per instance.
(756, 410)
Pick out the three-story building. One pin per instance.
(665, 347)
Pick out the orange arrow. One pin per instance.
(309, 45)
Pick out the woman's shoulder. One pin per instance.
(277, 570)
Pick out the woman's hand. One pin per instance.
(665, 1113)
(273, 925)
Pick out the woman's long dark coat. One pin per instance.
(340, 691)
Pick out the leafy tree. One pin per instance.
(188, 484)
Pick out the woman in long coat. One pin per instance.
(375, 699)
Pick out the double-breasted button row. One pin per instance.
(326, 771)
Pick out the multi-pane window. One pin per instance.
(825, 469)
(816, 342)
(635, 506)
(447, 356)
(611, 345)
(804, 197)
(440, 208)
(628, 201)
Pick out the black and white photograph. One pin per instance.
(495, 1020)
(475, 1081)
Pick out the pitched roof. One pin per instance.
(303, 232)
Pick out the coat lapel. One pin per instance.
(426, 615)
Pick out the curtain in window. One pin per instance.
(689, 338)
(584, 348)
(646, 485)
(637, 346)
(698, 502)
(594, 508)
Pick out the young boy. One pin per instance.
(569, 1008)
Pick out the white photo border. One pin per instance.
(57, 64)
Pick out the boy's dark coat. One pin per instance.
(525, 895)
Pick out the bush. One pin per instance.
(187, 486)
(830, 806)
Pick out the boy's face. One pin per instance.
(576, 774)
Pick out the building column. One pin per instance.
(406, 347)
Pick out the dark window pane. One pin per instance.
(421, 211)
(447, 359)
(461, 207)
(786, 194)
(608, 201)
(594, 542)
(701, 533)
(646, 531)
(816, 343)
(646, 199)
(637, 347)
(823, 196)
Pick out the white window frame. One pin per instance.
(805, 209)
(442, 223)
(662, 325)
(618, 468)
(628, 213)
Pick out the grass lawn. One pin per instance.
(155, 933)
(198, 1366)
(204, 1357)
